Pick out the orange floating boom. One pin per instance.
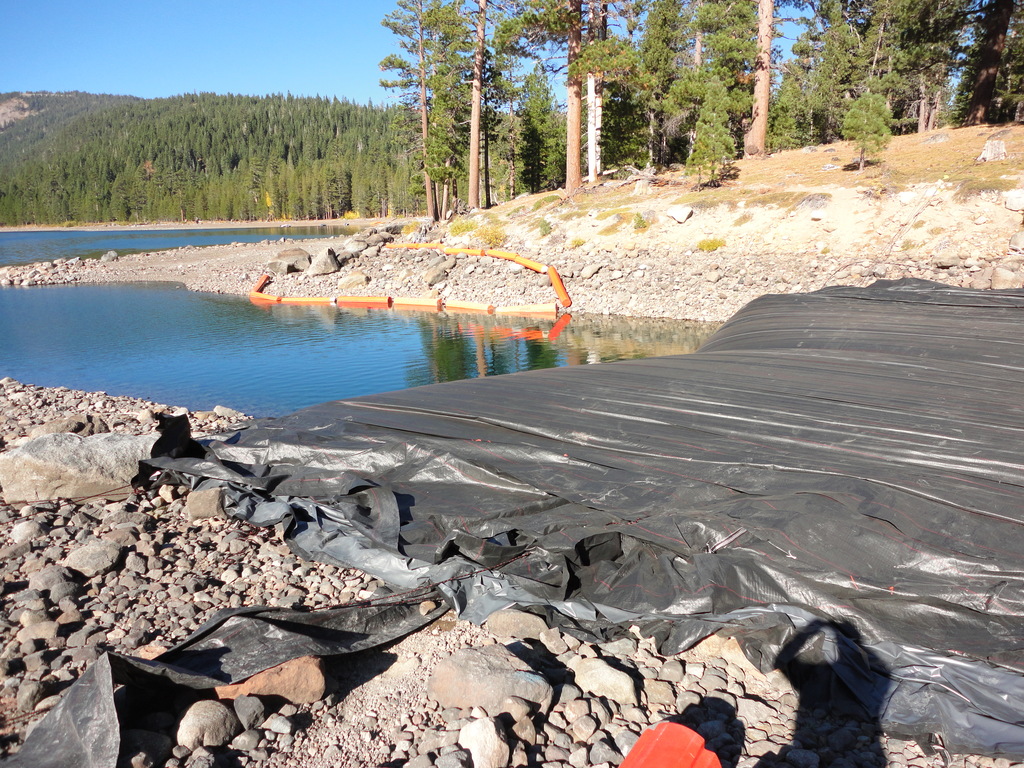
(410, 303)
(364, 301)
(469, 306)
(559, 286)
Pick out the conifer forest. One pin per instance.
(494, 98)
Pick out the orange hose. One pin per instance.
(469, 306)
(261, 283)
(559, 286)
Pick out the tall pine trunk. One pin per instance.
(425, 125)
(757, 136)
(574, 100)
(996, 24)
(473, 194)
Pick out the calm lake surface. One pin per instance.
(161, 342)
(29, 247)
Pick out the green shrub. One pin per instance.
(462, 227)
(639, 222)
(576, 242)
(544, 227)
(710, 244)
(491, 235)
(544, 201)
(409, 228)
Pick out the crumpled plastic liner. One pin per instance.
(82, 730)
(840, 470)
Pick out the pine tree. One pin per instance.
(713, 149)
(867, 125)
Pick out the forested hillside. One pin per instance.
(694, 82)
(209, 157)
(494, 100)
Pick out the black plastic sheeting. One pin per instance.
(849, 459)
(82, 731)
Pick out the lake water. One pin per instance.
(161, 342)
(29, 247)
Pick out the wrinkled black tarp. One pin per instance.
(851, 454)
(82, 731)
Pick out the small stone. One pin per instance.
(250, 711)
(95, 558)
(246, 741)
(486, 741)
(26, 531)
(205, 504)
(517, 624)
(30, 693)
(598, 677)
(457, 758)
(300, 681)
(278, 723)
(207, 723)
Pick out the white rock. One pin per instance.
(486, 741)
(680, 213)
(1014, 199)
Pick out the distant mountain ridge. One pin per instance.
(78, 157)
(27, 118)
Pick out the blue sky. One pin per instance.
(152, 49)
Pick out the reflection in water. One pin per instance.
(161, 342)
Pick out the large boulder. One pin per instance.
(354, 279)
(324, 263)
(299, 258)
(80, 424)
(68, 466)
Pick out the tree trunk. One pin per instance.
(473, 195)
(598, 30)
(487, 156)
(923, 109)
(594, 110)
(757, 137)
(425, 125)
(574, 101)
(997, 22)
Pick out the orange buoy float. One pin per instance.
(410, 303)
(469, 306)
